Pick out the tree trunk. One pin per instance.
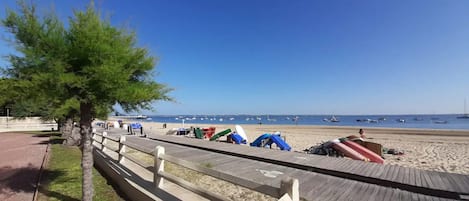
(87, 151)
(70, 133)
(59, 125)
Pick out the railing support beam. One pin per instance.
(122, 148)
(289, 190)
(159, 166)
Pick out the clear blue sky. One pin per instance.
(300, 57)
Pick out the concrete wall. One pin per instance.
(26, 124)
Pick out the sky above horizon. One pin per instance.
(298, 57)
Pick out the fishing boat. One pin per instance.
(465, 115)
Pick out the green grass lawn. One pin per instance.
(61, 179)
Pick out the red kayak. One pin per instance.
(363, 151)
(347, 151)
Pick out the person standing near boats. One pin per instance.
(362, 133)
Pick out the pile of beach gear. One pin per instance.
(267, 140)
(237, 136)
(352, 146)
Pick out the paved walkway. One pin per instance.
(21, 156)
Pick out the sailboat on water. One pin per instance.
(465, 115)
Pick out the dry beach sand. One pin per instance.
(438, 150)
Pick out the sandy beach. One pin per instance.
(438, 150)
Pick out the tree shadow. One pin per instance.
(47, 134)
(54, 137)
(24, 180)
(114, 186)
(53, 140)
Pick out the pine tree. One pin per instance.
(84, 69)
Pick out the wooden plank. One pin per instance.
(406, 176)
(436, 179)
(363, 168)
(334, 164)
(371, 169)
(404, 195)
(188, 153)
(445, 183)
(390, 172)
(459, 182)
(372, 192)
(324, 191)
(462, 184)
(342, 165)
(417, 177)
(343, 190)
(201, 156)
(396, 173)
(414, 196)
(385, 194)
(423, 179)
(362, 191)
(232, 178)
(387, 172)
(356, 167)
(395, 194)
(412, 176)
(428, 181)
(401, 175)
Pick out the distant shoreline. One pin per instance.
(437, 122)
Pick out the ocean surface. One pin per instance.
(449, 121)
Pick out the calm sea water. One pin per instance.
(390, 121)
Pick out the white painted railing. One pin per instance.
(288, 191)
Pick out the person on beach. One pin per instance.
(362, 133)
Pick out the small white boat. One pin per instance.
(141, 117)
(440, 122)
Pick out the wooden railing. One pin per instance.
(288, 191)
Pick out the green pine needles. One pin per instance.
(76, 71)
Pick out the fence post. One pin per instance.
(122, 148)
(159, 166)
(104, 141)
(290, 187)
(93, 135)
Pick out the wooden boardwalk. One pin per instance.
(321, 178)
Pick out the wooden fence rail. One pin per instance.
(288, 191)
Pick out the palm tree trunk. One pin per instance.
(87, 151)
